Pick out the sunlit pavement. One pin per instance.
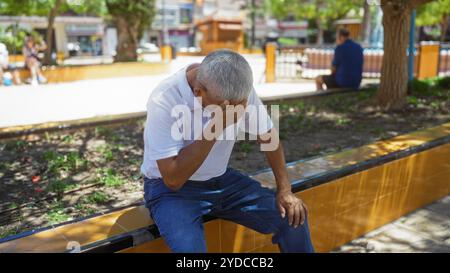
(24, 105)
(425, 230)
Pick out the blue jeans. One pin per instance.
(231, 196)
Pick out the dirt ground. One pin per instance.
(59, 176)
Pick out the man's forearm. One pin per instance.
(278, 164)
(189, 161)
(177, 170)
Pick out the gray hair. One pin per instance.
(228, 72)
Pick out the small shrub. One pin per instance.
(444, 82)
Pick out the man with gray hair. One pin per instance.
(187, 178)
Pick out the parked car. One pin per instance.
(147, 48)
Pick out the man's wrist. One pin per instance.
(284, 186)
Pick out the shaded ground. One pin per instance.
(54, 177)
(425, 230)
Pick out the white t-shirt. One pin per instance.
(158, 138)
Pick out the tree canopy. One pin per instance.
(43, 7)
(433, 12)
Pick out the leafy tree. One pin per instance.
(435, 13)
(14, 38)
(51, 9)
(394, 71)
(366, 23)
(323, 12)
(130, 17)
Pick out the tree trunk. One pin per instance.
(320, 31)
(127, 40)
(49, 34)
(394, 71)
(444, 27)
(366, 24)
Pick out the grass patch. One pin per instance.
(5, 232)
(107, 152)
(435, 87)
(18, 145)
(59, 187)
(67, 139)
(245, 147)
(70, 163)
(57, 214)
(109, 178)
(13, 205)
(85, 209)
(342, 122)
(96, 197)
(106, 132)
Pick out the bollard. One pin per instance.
(166, 53)
(270, 62)
(60, 57)
(428, 60)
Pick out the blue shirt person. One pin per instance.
(347, 65)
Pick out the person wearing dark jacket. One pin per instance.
(347, 66)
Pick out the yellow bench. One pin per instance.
(58, 74)
(348, 194)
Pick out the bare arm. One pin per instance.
(278, 163)
(177, 170)
(288, 203)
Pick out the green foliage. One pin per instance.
(5, 232)
(43, 7)
(412, 100)
(67, 139)
(437, 87)
(320, 10)
(433, 12)
(420, 87)
(245, 147)
(137, 13)
(444, 83)
(109, 178)
(105, 132)
(69, 162)
(14, 38)
(59, 186)
(287, 41)
(57, 213)
(342, 121)
(107, 152)
(96, 197)
(17, 146)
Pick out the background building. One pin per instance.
(72, 36)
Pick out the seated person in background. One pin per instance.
(347, 67)
(5, 66)
(30, 52)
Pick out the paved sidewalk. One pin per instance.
(25, 105)
(28, 105)
(424, 230)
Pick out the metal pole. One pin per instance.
(253, 18)
(412, 31)
(164, 25)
